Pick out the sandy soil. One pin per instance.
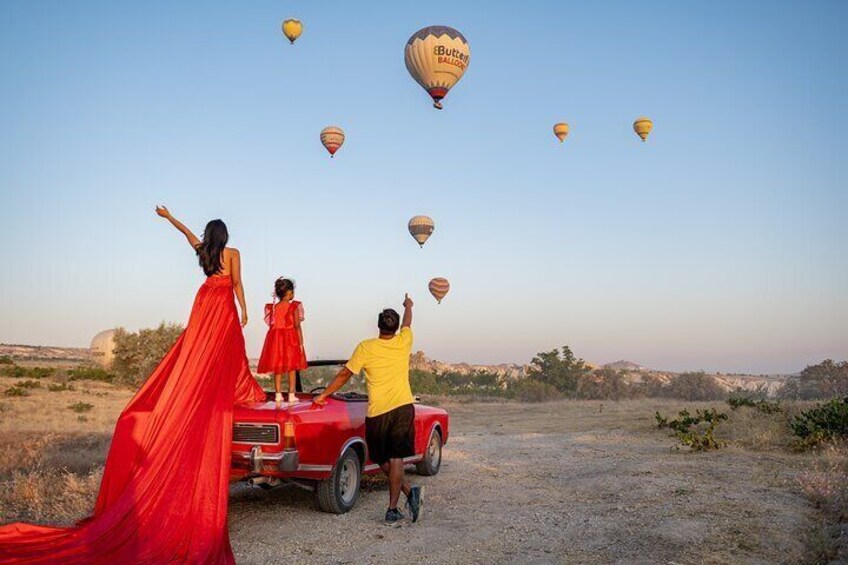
(552, 483)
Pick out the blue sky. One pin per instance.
(718, 244)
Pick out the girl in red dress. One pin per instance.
(283, 352)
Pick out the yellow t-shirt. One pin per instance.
(386, 364)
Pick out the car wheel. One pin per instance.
(432, 456)
(340, 492)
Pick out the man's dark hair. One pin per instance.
(388, 321)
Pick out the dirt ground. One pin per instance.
(552, 483)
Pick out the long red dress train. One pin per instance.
(163, 497)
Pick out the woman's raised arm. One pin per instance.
(192, 239)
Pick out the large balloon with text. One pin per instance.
(436, 57)
(332, 138)
(439, 288)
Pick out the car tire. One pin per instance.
(432, 461)
(339, 493)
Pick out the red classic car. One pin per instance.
(322, 448)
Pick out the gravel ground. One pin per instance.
(564, 482)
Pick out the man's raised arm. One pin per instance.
(407, 312)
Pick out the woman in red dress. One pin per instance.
(163, 496)
(283, 352)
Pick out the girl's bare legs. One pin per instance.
(292, 387)
(277, 397)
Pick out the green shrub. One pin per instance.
(28, 384)
(138, 353)
(81, 407)
(695, 432)
(59, 387)
(90, 374)
(531, 390)
(6, 360)
(18, 372)
(694, 387)
(15, 391)
(562, 370)
(761, 405)
(825, 422)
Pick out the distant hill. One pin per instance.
(420, 361)
(623, 365)
(45, 353)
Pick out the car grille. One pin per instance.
(256, 433)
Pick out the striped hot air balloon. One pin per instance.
(421, 228)
(439, 288)
(332, 138)
(436, 57)
(561, 131)
(292, 29)
(643, 126)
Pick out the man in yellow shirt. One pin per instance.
(390, 425)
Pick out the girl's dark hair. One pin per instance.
(215, 238)
(282, 286)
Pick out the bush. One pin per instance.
(695, 432)
(28, 384)
(694, 386)
(90, 374)
(825, 422)
(531, 390)
(826, 380)
(761, 405)
(138, 353)
(561, 370)
(59, 387)
(15, 391)
(6, 360)
(605, 384)
(81, 407)
(18, 372)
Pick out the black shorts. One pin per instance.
(391, 435)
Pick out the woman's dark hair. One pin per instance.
(283, 286)
(388, 321)
(215, 238)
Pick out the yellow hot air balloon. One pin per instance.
(439, 288)
(643, 126)
(436, 57)
(292, 29)
(561, 131)
(421, 228)
(332, 138)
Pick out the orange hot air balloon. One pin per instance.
(292, 29)
(332, 138)
(643, 126)
(421, 228)
(561, 131)
(439, 288)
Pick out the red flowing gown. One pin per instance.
(163, 497)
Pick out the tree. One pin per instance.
(827, 379)
(138, 353)
(695, 386)
(561, 370)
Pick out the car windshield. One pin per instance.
(319, 374)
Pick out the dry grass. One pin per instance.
(50, 461)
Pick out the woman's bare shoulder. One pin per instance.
(231, 252)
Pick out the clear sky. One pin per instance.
(719, 244)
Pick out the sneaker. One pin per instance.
(393, 517)
(415, 502)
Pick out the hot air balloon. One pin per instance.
(436, 57)
(439, 288)
(643, 126)
(292, 29)
(421, 228)
(561, 131)
(332, 138)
